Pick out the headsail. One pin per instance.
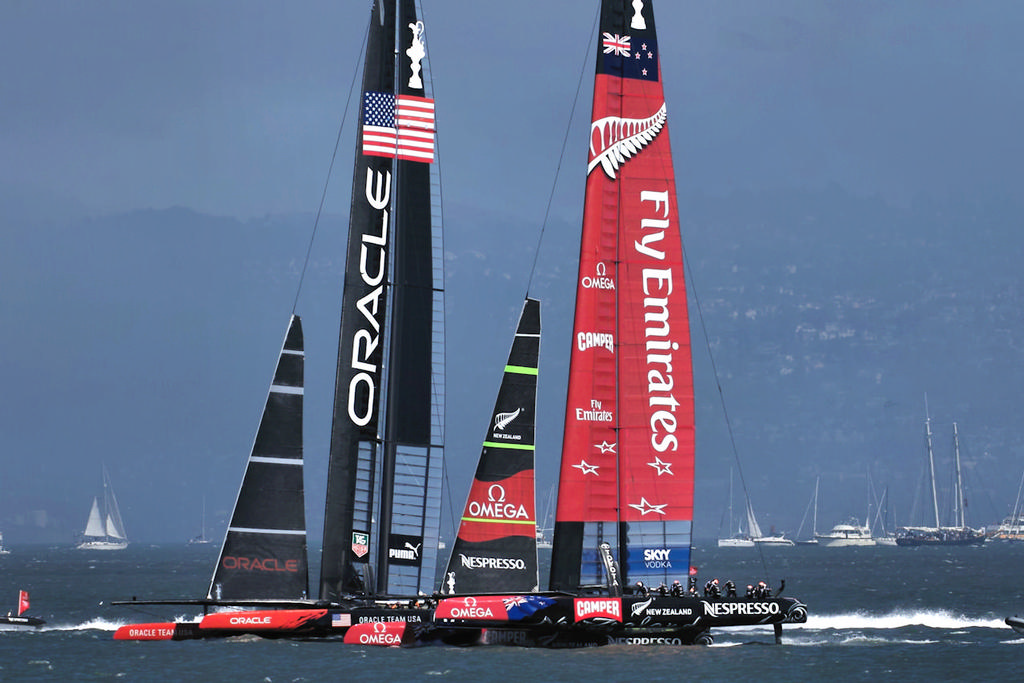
(382, 513)
(94, 526)
(496, 547)
(627, 457)
(264, 551)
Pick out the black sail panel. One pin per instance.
(264, 551)
(496, 547)
(383, 496)
(358, 387)
(411, 470)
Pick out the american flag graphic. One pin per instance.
(398, 126)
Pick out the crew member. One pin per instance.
(730, 589)
(677, 589)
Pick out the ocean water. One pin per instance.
(921, 614)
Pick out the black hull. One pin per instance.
(533, 620)
(914, 543)
(974, 538)
(12, 622)
(562, 621)
(1016, 623)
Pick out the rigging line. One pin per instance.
(721, 394)
(565, 142)
(330, 168)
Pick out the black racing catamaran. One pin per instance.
(382, 515)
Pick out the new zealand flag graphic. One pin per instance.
(629, 56)
(523, 606)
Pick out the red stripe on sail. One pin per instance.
(499, 509)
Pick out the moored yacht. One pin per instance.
(847, 534)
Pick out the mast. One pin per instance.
(814, 522)
(382, 512)
(958, 506)
(931, 462)
(730, 501)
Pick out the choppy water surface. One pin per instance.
(914, 614)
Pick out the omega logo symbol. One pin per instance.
(379, 627)
(470, 602)
(501, 494)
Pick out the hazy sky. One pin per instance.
(232, 108)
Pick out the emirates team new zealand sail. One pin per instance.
(625, 498)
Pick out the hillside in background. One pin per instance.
(147, 341)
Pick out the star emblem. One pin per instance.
(662, 466)
(605, 447)
(644, 507)
(587, 468)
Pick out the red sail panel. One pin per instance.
(629, 427)
(499, 509)
(656, 421)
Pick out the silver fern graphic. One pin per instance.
(639, 607)
(501, 420)
(613, 140)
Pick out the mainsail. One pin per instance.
(382, 513)
(496, 547)
(264, 552)
(627, 456)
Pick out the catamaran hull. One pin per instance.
(1016, 623)
(587, 621)
(13, 623)
(389, 627)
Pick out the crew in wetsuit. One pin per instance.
(691, 585)
(640, 589)
(711, 589)
(677, 589)
(750, 592)
(730, 589)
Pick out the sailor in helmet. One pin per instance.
(640, 588)
(677, 589)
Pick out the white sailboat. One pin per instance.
(740, 539)
(201, 539)
(104, 530)
(758, 537)
(3, 550)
